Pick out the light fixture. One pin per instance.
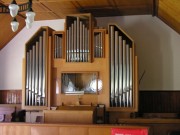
(14, 9)
(14, 25)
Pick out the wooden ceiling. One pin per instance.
(166, 10)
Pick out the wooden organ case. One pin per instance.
(81, 66)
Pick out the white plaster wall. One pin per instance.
(157, 47)
(11, 56)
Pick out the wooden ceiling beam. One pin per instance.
(167, 10)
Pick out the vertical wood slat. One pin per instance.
(10, 96)
(159, 101)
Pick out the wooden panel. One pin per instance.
(128, 7)
(58, 129)
(169, 12)
(10, 97)
(1, 130)
(61, 8)
(92, 3)
(37, 130)
(8, 130)
(68, 116)
(73, 131)
(99, 65)
(43, 12)
(15, 130)
(115, 7)
(149, 121)
(18, 1)
(159, 101)
(97, 131)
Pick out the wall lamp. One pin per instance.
(14, 9)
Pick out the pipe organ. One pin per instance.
(82, 48)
